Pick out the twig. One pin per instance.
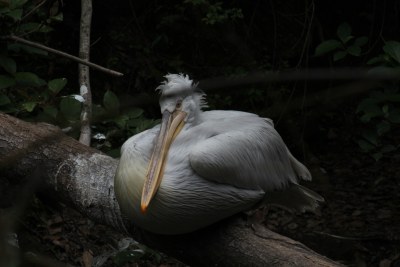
(84, 77)
(63, 54)
(33, 9)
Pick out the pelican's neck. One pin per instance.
(196, 118)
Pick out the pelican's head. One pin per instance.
(180, 103)
(180, 93)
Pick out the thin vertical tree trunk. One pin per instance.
(84, 78)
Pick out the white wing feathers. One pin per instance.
(247, 152)
(295, 198)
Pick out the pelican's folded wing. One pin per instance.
(247, 152)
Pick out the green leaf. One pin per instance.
(29, 27)
(339, 55)
(70, 107)
(366, 103)
(134, 113)
(394, 116)
(34, 27)
(29, 106)
(121, 121)
(371, 136)
(4, 8)
(15, 14)
(9, 109)
(57, 85)
(348, 38)
(8, 64)
(51, 111)
(45, 28)
(28, 79)
(128, 255)
(365, 146)
(381, 70)
(392, 48)
(343, 32)
(97, 112)
(391, 90)
(17, 3)
(326, 47)
(354, 50)
(376, 60)
(115, 153)
(134, 123)
(370, 109)
(377, 156)
(4, 100)
(383, 127)
(110, 101)
(385, 109)
(360, 41)
(43, 96)
(30, 50)
(6, 81)
(34, 50)
(59, 17)
(388, 148)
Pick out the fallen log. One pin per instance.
(82, 177)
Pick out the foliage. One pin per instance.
(215, 12)
(24, 93)
(113, 125)
(23, 17)
(345, 45)
(137, 253)
(380, 112)
(390, 58)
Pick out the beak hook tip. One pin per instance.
(143, 208)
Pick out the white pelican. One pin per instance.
(197, 167)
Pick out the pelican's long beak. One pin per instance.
(171, 125)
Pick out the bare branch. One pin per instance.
(63, 54)
(33, 10)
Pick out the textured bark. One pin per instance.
(83, 177)
(84, 78)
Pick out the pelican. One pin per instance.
(197, 168)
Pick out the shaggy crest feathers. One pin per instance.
(176, 83)
(181, 84)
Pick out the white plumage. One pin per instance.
(219, 163)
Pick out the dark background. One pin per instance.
(321, 121)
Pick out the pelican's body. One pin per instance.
(218, 164)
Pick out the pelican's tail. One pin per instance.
(300, 170)
(295, 198)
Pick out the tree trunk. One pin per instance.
(83, 177)
(84, 77)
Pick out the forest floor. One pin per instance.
(357, 226)
(359, 223)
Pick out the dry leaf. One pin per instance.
(87, 258)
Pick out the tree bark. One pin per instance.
(83, 177)
(84, 77)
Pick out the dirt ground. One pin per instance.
(357, 226)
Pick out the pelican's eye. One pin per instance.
(179, 104)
